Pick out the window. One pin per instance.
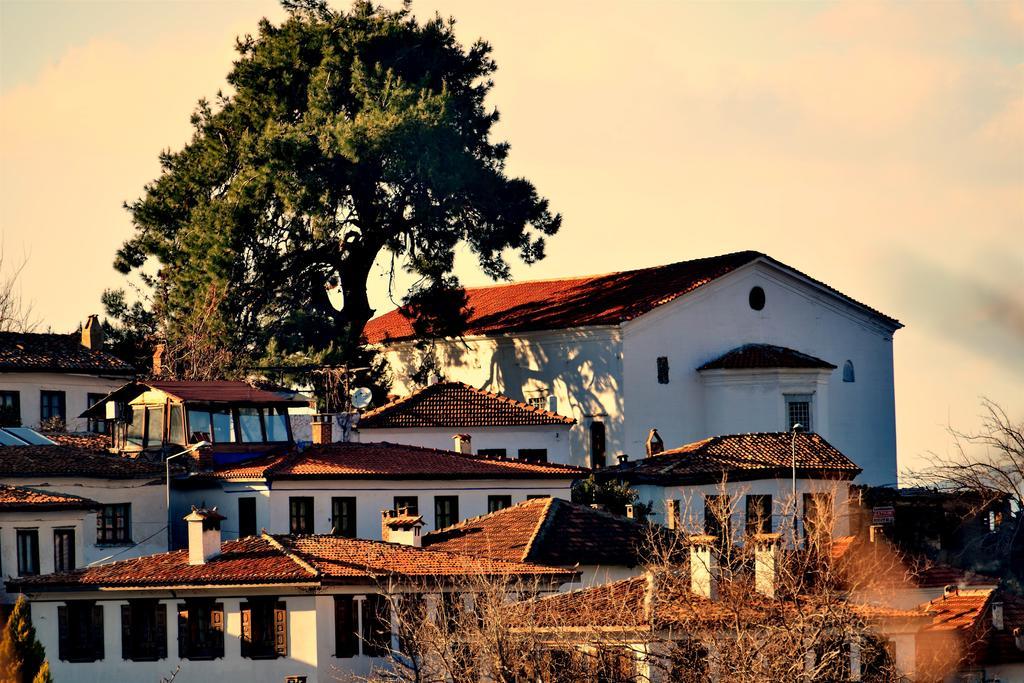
(144, 630)
(137, 427)
(264, 629)
(300, 515)
(756, 298)
(533, 454)
(343, 516)
(80, 631)
(848, 374)
(276, 420)
(200, 629)
(247, 517)
(662, 363)
(28, 552)
(495, 503)
(798, 412)
(223, 426)
(362, 625)
(114, 524)
(672, 517)
(716, 516)
(52, 406)
(154, 426)
(199, 423)
(538, 402)
(410, 503)
(10, 409)
(250, 424)
(63, 550)
(176, 425)
(759, 514)
(376, 626)
(491, 452)
(597, 444)
(95, 424)
(817, 515)
(446, 511)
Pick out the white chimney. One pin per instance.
(203, 535)
(432, 378)
(401, 527)
(997, 616)
(766, 563)
(703, 567)
(463, 444)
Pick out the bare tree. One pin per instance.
(196, 349)
(15, 313)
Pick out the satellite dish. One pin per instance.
(361, 397)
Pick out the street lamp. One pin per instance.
(792, 451)
(167, 482)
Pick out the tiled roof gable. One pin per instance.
(70, 461)
(16, 498)
(48, 352)
(765, 356)
(457, 405)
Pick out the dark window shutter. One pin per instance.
(62, 632)
(182, 631)
(246, 629)
(345, 636)
(161, 631)
(126, 631)
(281, 630)
(97, 631)
(217, 626)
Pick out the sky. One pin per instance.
(876, 146)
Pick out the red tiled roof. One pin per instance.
(95, 443)
(15, 498)
(48, 352)
(384, 460)
(967, 616)
(939, 575)
(738, 455)
(220, 391)
(547, 531)
(958, 612)
(755, 356)
(457, 405)
(585, 301)
(68, 461)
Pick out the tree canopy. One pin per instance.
(347, 135)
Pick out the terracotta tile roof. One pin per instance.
(220, 391)
(967, 617)
(338, 558)
(744, 456)
(15, 498)
(48, 352)
(755, 356)
(68, 461)
(95, 443)
(620, 604)
(591, 300)
(382, 460)
(457, 405)
(939, 575)
(547, 531)
(960, 611)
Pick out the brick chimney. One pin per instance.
(203, 535)
(92, 333)
(321, 428)
(158, 358)
(704, 567)
(655, 444)
(401, 527)
(766, 563)
(463, 444)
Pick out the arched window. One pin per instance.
(848, 375)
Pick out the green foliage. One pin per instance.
(22, 657)
(613, 495)
(350, 135)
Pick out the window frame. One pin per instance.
(59, 547)
(27, 546)
(243, 517)
(499, 499)
(300, 509)
(96, 425)
(135, 647)
(403, 501)
(351, 528)
(661, 363)
(753, 515)
(713, 526)
(44, 404)
(13, 406)
(114, 535)
(450, 515)
(806, 425)
(492, 453)
(534, 456)
(598, 437)
(270, 616)
(192, 617)
(86, 643)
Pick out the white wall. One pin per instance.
(148, 512)
(75, 387)
(555, 439)
(372, 497)
(44, 522)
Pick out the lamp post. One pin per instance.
(792, 452)
(167, 482)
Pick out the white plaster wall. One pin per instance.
(597, 575)
(372, 497)
(692, 502)
(858, 418)
(44, 522)
(553, 438)
(149, 517)
(76, 388)
(745, 401)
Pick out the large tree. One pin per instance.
(347, 135)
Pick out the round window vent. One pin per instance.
(756, 298)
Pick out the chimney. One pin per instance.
(432, 378)
(622, 458)
(766, 563)
(203, 535)
(463, 444)
(321, 428)
(401, 527)
(997, 616)
(950, 591)
(1018, 637)
(92, 333)
(703, 567)
(599, 506)
(630, 511)
(876, 533)
(655, 444)
(158, 359)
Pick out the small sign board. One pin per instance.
(885, 514)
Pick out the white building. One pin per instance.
(620, 353)
(478, 421)
(46, 378)
(260, 608)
